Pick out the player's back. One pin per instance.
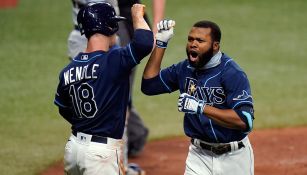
(94, 88)
(94, 83)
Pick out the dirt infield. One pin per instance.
(277, 152)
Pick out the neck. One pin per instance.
(98, 42)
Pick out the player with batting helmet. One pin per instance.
(93, 90)
(215, 96)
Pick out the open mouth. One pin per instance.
(193, 56)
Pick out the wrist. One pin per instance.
(201, 107)
(161, 44)
(140, 23)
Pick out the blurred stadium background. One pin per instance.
(266, 37)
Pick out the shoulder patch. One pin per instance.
(242, 96)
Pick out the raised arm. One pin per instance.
(158, 7)
(165, 33)
(142, 41)
(137, 13)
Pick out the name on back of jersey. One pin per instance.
(78, 73)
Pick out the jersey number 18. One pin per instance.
(83, 100)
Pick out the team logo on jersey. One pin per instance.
(243, 96)
(211, 95)
(192, 88)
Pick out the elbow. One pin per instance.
(152, 86)
(247, 118)
(146, 90)
(248, 123)
(242, 126)
(148, 87)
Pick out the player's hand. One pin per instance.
(165, 32)
(189, 104)
(138, 10)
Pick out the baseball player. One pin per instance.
(136, 131)
(215, 96)
(93, 91)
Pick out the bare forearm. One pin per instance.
(225, 117)
(158, 8)
(153, 65)
(137, 13)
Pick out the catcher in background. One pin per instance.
(215, 96)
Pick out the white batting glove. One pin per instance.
(165, 32)
(189, 104)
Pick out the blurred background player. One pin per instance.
(93, 91)
(137, 131)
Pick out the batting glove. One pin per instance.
(189, 104)
(165, 32)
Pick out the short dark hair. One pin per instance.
(215, 29)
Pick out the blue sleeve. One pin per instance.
(169, 77)
(141, 44)
(153, 86)
(124, 59)
(246, 113)
(63, 103)
(236, 85)
(165, 82)
(60, 99)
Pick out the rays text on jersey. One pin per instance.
(211, 95)
(78, 73)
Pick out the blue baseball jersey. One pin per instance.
(224, 86)
(93, 90)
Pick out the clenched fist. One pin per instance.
(165, 32)
(189, 104)
(137, 10)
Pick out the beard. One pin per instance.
(203, 58)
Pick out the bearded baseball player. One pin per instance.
(215, 96)
(93, 90)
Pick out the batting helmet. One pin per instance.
(99, 17)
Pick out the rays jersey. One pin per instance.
(223, 85)
(93, 90)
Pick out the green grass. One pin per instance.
(267, 38)
(32, 50)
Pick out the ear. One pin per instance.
(216, 45)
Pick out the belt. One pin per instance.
(95, 138)
(219, 149)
